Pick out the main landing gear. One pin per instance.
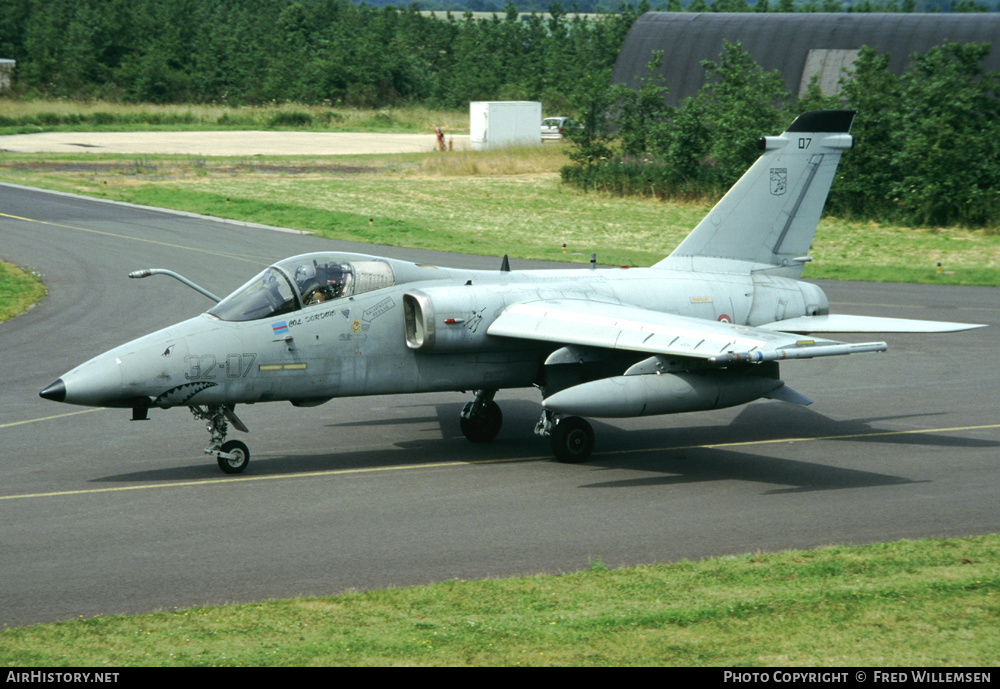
(481, 418)
(571, 438)
(233, 455)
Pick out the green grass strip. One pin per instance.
(19, 290)
(910, 603)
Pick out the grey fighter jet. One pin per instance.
(704, 328)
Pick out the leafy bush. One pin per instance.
(290, 118)
(928, 148)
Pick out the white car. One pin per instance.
(554, 127)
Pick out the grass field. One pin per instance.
(484, 203)
(19, 290)
(908, 603)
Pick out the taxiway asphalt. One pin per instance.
(100, 515)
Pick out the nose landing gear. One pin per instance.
(233, 455)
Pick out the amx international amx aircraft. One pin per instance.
(702, 329)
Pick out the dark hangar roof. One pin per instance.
(798, 45)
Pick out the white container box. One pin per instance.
(495, 124)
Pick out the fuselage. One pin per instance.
(411, 329)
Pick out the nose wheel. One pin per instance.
(233, 455)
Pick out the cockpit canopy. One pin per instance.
(302, 281)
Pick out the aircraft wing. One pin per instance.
(844, 323)
(616, 326)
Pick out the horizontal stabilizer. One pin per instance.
(844, 323)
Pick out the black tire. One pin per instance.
(572, 440)
(483, 428)
(239, 463)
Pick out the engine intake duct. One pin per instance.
(451, 319)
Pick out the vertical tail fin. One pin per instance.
(769, 217)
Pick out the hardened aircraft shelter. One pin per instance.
(798, 45)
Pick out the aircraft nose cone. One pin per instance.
(55, 392)
(96, 383)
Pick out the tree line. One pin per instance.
(928, 141)
(333, 51)
(308, 51)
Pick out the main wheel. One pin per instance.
(241, 457)
(572, 440)
(484, 427)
